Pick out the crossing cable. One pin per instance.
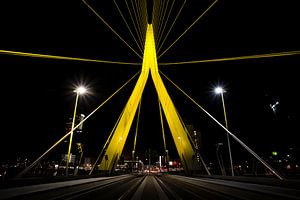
(162, 125)
(193, 143)
(142, 16)
(67, 134)
(229, 132)
(257, 56)
(146, 11)
(154, 11)
(160, 16)
(130, 31)
(137, 126)
(186, 130)
(97, 14)
(146, 19)
(145, 8)
(154, 8)
(47, 56)
(171, 28)
(168, 17)
(107, 141)
(157, 19)
(133, 22)
(163, 21)
(189, 28)
(138, 21)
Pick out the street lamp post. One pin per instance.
(80, 90)
(220, 90)
(220, 160)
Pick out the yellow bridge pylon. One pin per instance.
(180, 137)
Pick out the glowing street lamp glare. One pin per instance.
(80, 90)
(219, 90)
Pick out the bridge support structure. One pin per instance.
(179, 134)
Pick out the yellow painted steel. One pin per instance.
(249, 57)
(113, 30)
(200, 17)
(118, 140)
(180, 137)
(47, 56)
(162, 126)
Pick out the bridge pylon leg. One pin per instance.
(180, 137)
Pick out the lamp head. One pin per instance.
(80, 90)
(219, 90)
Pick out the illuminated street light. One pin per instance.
(133, 155)
(220, 90)
(79, 91)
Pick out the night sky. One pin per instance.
(37, 97)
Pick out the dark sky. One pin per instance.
(37, 94)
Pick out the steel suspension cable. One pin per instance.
(186, 130)
(144, 22)
(193, 143)
(160, 15)
(137, 127)
(67, 134)
(163, 19)
(126, 23)
(188, 28)
(133, 22)
(257, 56)
(157, 17)
(171, 28)
(154, 11)
(162, 125)
(164, 27)
(47, 56)
(97, 14)
(229, 132)
(138, 21)
(107, 141)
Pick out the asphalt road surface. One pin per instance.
(153, 187)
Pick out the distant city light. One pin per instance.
(274, 153)
(273, 106)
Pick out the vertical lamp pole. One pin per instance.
(220, 90)
(80, 90)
